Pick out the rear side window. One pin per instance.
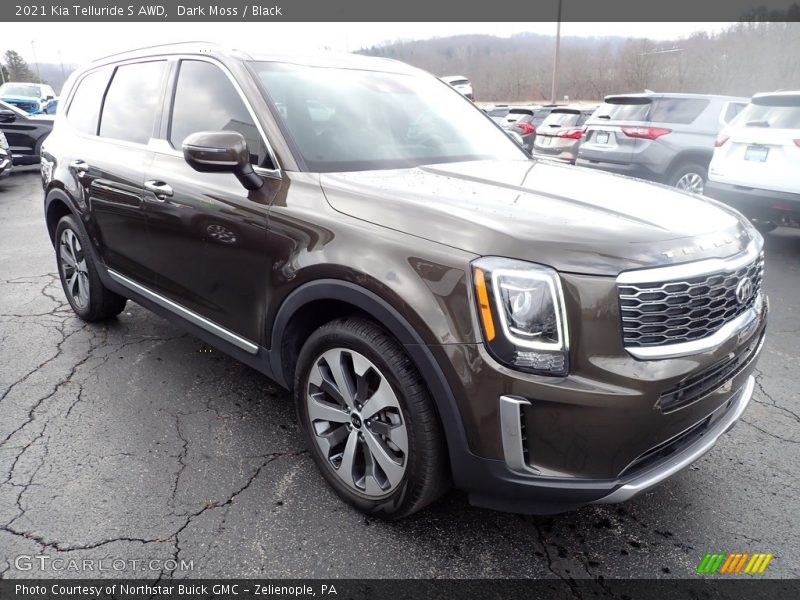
(732, 110)
(84, 110)
(677, 110)
(206, 100)
(132, 102)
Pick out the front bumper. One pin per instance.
(605, 432)
(755, 203)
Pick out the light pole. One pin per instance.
(555, 58)
(36, 60)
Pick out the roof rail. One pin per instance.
(186, 43)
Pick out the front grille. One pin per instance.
(698, 385)
(672, 312)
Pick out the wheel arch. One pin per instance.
(343, 297)
(57, 204)
(687, 157)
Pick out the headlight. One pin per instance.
(521, 309)
(3, 142)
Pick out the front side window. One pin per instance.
(351, 119)
(132, 102)
(206, 100)
(84, 109)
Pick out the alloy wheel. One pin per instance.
(74, 269)
(356, 420)
(691, 182)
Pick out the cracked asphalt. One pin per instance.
(130, 440)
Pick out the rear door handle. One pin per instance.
(81, 166)
(160, 189)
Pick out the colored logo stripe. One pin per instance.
(734, 562)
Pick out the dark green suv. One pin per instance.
(445, 309)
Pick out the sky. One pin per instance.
(84, 42)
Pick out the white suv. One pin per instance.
(756, 164)
(460, 83)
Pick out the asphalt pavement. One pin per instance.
(131, 440)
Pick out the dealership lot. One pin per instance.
(133, 440)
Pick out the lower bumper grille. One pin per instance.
(698, 385)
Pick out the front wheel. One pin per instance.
(369, 421)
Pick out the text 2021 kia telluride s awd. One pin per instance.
(445, 309)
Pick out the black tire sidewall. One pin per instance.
(340, 337)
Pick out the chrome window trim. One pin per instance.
(184, 312)
(709, 266)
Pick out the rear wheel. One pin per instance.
(368, 420)
(84, 290)
(690, 178)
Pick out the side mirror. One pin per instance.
(221, 152)
(7, 116)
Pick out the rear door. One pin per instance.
(109, 164)
(604, 140)
(762, 149)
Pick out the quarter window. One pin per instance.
(84, 110)
(206, 100)
(132, 102)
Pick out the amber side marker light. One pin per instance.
(483, 305)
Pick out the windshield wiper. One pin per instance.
(757, 124)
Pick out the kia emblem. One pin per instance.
(744, 291)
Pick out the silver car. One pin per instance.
(559, 135)
(667, 138)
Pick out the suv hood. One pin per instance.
(573, 219)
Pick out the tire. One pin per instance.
(386, 456)
(84, 290)
(690, 177)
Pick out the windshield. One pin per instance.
(20, 91)
(356, 120)
(776, 112)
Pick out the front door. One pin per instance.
(207, 232)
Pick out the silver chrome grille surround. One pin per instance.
(675, 308)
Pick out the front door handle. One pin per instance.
(160, 189)
(81, 166)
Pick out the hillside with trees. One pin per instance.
(744, 59)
